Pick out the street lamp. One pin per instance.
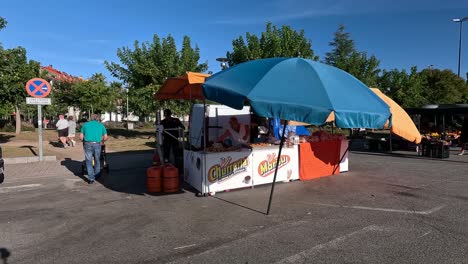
(459, 20)
(126, 91)
(223, 63)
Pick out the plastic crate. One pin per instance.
(434, 149)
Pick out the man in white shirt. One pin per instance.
(238, 133)
(62, 129)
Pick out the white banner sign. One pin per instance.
(38, 101)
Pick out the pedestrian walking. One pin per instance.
(62, 130)
(93, 134)
(464, 135)
(71, 130)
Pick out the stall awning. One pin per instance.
(185, 87)
(402, 124)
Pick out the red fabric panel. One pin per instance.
(319, 159)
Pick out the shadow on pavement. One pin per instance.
(31, 149)
(5, 138)
(56, 144)
(408, 156)
(236, 204)
(74, 166)
(4, 255)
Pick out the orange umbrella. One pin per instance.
(185, 87)
(402, 124)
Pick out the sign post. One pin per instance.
(39, 89)
(39, 127)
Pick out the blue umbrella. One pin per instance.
(300, 90)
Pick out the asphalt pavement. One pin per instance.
(386, 209)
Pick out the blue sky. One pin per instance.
(77, 36)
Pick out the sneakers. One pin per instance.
(461, 153)
(90, 182)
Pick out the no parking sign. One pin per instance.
(38, 88)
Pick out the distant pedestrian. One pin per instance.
(71, 130)
(62, 129)
(93, 134)
(464, 135)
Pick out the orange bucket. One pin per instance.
(154, 179)
(170, 179)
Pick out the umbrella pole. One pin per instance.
(276, 168)
(342, 157)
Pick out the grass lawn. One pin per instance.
(23, 151)
(120, 140)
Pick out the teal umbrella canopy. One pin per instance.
(300, 90)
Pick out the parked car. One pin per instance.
(2, 166)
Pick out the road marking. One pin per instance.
(427, 212)
(19, 187)
(75, 180)
(185, 246)
(425, 234)
(301, 257)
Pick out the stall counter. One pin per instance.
(211, 172)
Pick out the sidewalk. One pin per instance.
(70, 164)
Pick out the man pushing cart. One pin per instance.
(93, 134)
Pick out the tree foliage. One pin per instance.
(444, 87)
(15, 71)
(404, 88)
(94, 95)
(144, 69)
(274, 42)
(345, 56)
(3, 23)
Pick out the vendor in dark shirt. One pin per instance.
(171, 134)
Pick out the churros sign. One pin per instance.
(268, 166)
(227, 168)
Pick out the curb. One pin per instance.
(20, 160)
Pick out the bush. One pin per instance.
(27, 126)
(112, 124)
(8, 128)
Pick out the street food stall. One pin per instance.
(219, 167)
(212, 167)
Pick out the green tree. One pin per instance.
(345, 56)
(404, 88)
(443, 87)
(144, 69)
(274, 42)
(3, 23)
(15, 71)
(94, 95)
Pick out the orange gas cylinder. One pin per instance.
(154, 179)
(156, 159)
(170, 179)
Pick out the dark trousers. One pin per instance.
(178, 156)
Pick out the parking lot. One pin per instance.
(386, 209)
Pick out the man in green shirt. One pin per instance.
(93, 134)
